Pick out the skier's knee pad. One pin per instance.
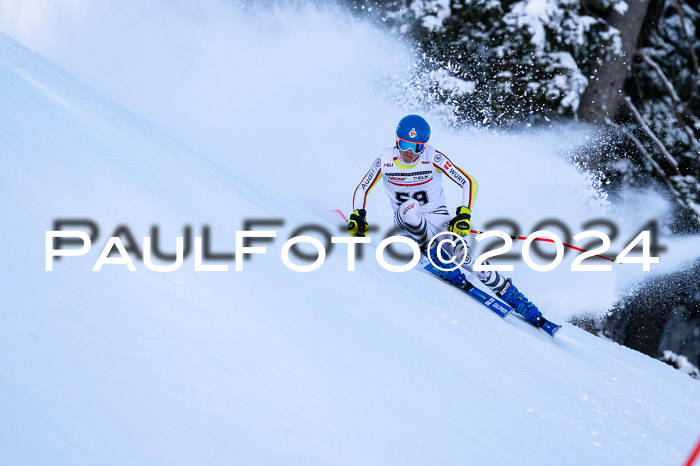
(409, 213)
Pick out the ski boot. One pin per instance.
(455, 276)
(515, 299)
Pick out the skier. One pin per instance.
(412, 174)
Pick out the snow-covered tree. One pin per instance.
(502, 61)
(662, 99)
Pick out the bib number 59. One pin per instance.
(420, 196)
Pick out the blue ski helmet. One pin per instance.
(412, 133)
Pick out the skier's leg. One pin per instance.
(501, 286)
(491, 278)
(409, 221)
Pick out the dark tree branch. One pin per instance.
(657, 168)
(677, 103)
(651, 135)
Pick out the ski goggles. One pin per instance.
(405, 144)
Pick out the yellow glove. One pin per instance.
(357, 226)
(462, 223)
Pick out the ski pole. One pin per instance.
(342, 215)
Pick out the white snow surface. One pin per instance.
(269, 366)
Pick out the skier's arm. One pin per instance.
(459, 176)
(359, 198)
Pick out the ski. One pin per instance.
(550, 327)
(495, 304)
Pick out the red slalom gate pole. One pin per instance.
(693, 455)
(546, 240)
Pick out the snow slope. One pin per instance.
(268, 366)
(288, 96)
